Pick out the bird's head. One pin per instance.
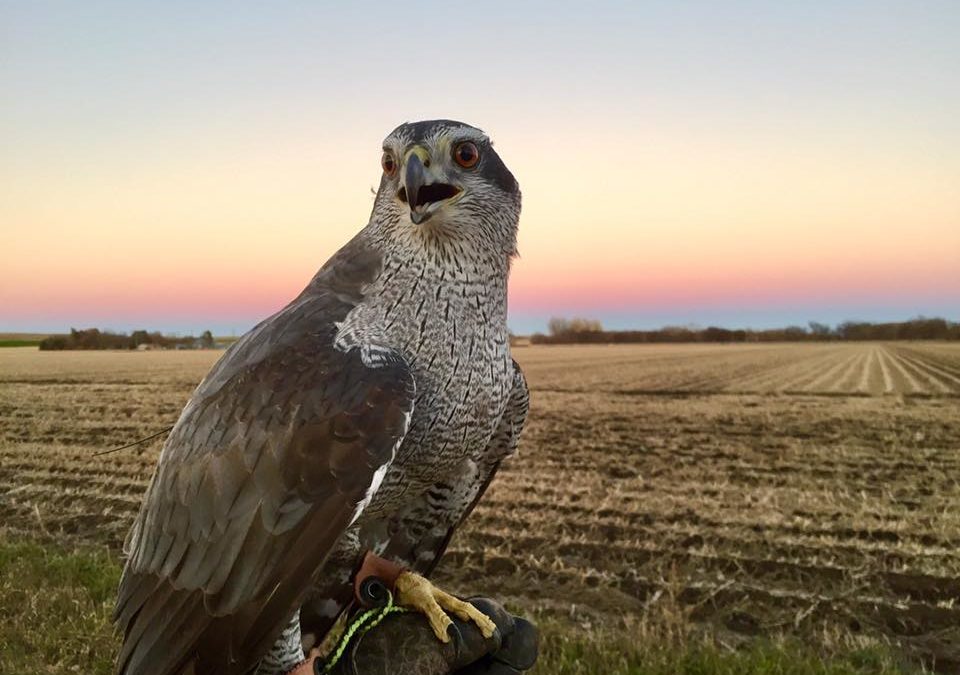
(443, 185)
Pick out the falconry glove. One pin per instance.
(404, 644)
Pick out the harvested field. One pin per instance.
(754, 489)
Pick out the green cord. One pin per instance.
(359, 626)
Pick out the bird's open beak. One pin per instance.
(422, 192)
(414, 178)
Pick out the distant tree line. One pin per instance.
(94, 338)
(566, 331)
(559, 326)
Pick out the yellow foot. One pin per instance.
(416, 593)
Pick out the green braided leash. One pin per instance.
(359, 626)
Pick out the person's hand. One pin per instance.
(404, 644)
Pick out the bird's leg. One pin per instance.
(416, 593)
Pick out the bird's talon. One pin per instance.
(467, 612)
(439, 622)
(416, 593)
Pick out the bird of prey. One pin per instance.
(366, 417)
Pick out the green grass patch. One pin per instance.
(56, 604)
(566, 653)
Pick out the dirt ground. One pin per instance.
(743, 490)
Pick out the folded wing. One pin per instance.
(268, 465)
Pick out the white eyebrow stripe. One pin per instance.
(468, 134)
(460, 133)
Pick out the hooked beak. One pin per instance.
(424, 196)
(414, 178)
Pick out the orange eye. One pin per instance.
(388, 163)
(466, 155)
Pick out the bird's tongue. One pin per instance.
(435, 192)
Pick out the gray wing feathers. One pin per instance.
(258, 479)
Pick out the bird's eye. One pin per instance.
(466, 154)
(388, 163)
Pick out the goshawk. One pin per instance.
(366, 417)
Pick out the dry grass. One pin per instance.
(660, 493)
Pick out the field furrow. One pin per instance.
(928, 381)
(889, 386)
(908, 382)
(781, 376)
(825, 379)
(941, 378)
(813, 371)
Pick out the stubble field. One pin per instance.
(730, 491)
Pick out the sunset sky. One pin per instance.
(182, 165)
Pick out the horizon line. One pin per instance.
(689, 326)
